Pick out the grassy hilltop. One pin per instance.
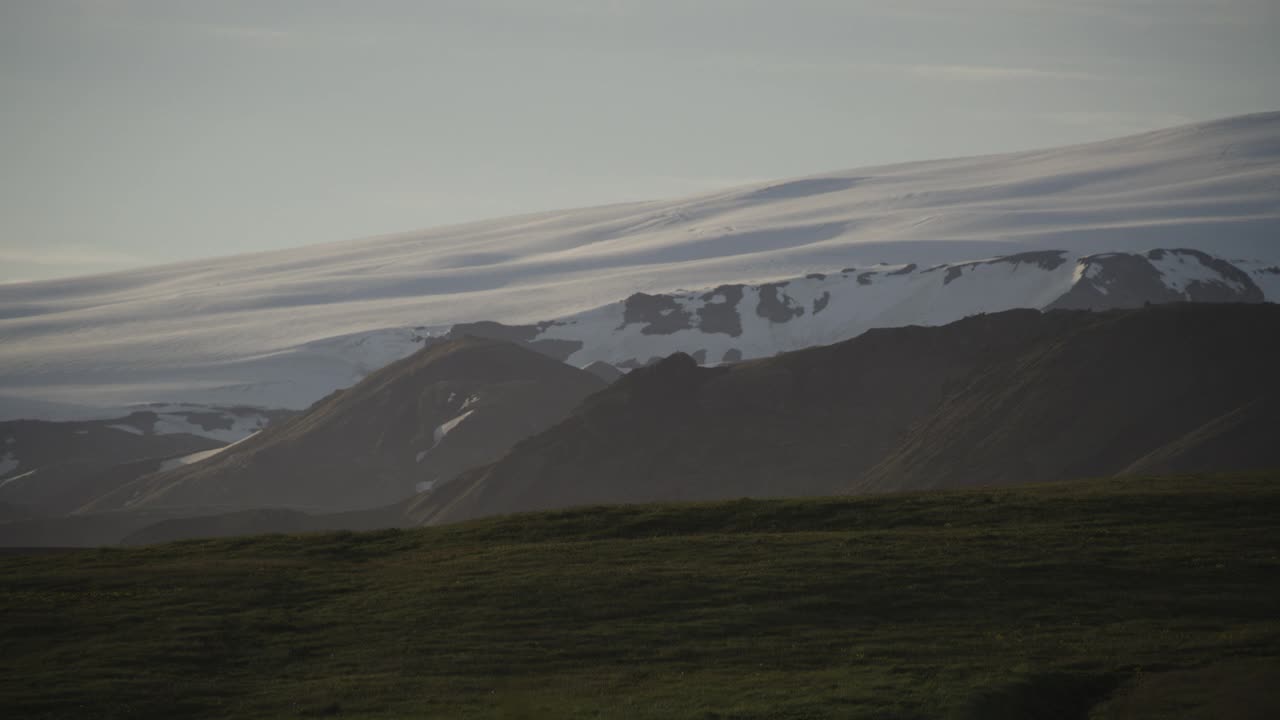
(1135, 598)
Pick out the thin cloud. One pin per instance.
(991, 72)
(1133, 12)
(936, 71)
(1118, 123)
(133, 16)
(245, 33)
(32, 264)
(67, 255)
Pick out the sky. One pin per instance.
(136, 132)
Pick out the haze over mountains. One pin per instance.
(465, 371)
(283, 329)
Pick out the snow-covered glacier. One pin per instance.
(1190, 213)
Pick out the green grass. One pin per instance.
(1056, 601)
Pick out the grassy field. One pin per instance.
(1119, 599)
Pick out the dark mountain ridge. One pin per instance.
(1101, 398)
(415, 423)
(1007, 397)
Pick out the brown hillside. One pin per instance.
(801, 423)
(63, 465)
(1184, 382)
(381, 441)
(1012, 396)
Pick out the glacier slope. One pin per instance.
(281, 329)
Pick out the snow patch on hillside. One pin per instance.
(127, 428)
(441, 432)
(816, 309)
(196, 457)
(445, 428)
(1180, 270)
(16, 478)
(1265, 274)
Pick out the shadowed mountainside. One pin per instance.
(52, 468)
(415, 423)
(1177, 389)
(986, 400)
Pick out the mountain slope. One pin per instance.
(1244, 437)
(732, 322)
(51, 468)
(1187, 383)
(415, 423)
(282, 329)
(983, 400)
(802, 423)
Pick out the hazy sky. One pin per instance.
(135, 132)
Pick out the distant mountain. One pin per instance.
(1016, 396)
(735, 322)
(743, 272)
(52, 468)
(404, 429)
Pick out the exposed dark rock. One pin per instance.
(1218, 291)
(815, 276)
(143, 420)
(1120, 280)
(906, 270)
(721, 316)
(1124, 280)
(657, 314)
(865, 278)
(556, 348)
(521, 334)
(776, 306)
(635, 363)
(209, 420)
(495, 331)
(820, 303)
(604, 371)
(675, 365)
(1046, 259)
